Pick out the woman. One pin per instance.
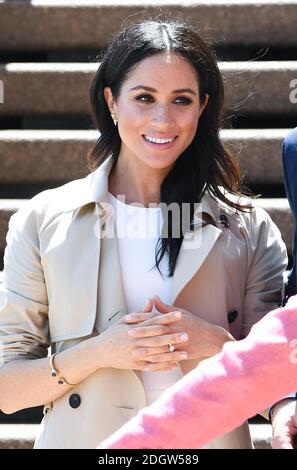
(71, 275)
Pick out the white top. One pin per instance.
(138, 230)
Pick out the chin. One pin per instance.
(158, 162)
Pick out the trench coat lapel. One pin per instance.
(192, 254)
(108, 294)
(112, 303)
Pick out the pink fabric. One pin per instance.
(225, 390)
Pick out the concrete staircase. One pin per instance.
(47, 59)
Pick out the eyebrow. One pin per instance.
(181, 90)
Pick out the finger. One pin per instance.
(159, 366)
(137, 317)
(163, 319)
(152, 354)
(154, 318)
(147, 331)
(162, 340)
(143, 365)
(161, 306)
(175, 356)
(148, 307)
(143, 352)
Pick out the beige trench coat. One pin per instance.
(53, 291)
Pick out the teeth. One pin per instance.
(158, 141)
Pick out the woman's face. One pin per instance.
(158, 110)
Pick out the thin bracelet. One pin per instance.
(55, 373)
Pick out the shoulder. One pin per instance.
(248, 204)
(291, 139)
(289, 151)
(253, 221)
(48, 204)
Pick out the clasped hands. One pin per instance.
(191, 336)
(140, 340)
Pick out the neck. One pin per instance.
(138, 183)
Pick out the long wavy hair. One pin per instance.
(205, 165)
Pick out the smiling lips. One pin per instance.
(158, 140)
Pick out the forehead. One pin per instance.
(163, 69)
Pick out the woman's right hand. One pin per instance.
(117, 347)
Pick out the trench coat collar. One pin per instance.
(94, 189)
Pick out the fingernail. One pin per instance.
(184, 337)
(177, 314)
(128, 317)
(131, 332)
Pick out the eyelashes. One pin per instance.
(149, 99)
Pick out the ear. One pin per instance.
(204, 104)
(109, 99)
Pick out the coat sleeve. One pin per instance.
(222, 392)
(23, 296)
(289, 160)
(266, 262)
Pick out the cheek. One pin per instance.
(132, 119)
(188, 123)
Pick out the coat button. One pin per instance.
(232, 315)
(74, 400)
(224, 221)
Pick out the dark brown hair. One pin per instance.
(205, 165)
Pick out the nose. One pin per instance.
(163, 116)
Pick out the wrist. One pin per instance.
(278, 406)
(98, 351)
(222, 336)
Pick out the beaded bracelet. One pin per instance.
(56, 373)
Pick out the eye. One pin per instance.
(183, 100)
(144, 98)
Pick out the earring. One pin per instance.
(114, 118)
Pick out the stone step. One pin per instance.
(18, 436)
(40, 25)
(277, 208)
(22, 436)
(39, 154)
(62, 88)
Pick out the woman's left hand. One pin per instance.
(205, 339)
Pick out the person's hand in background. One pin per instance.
(284, 424)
